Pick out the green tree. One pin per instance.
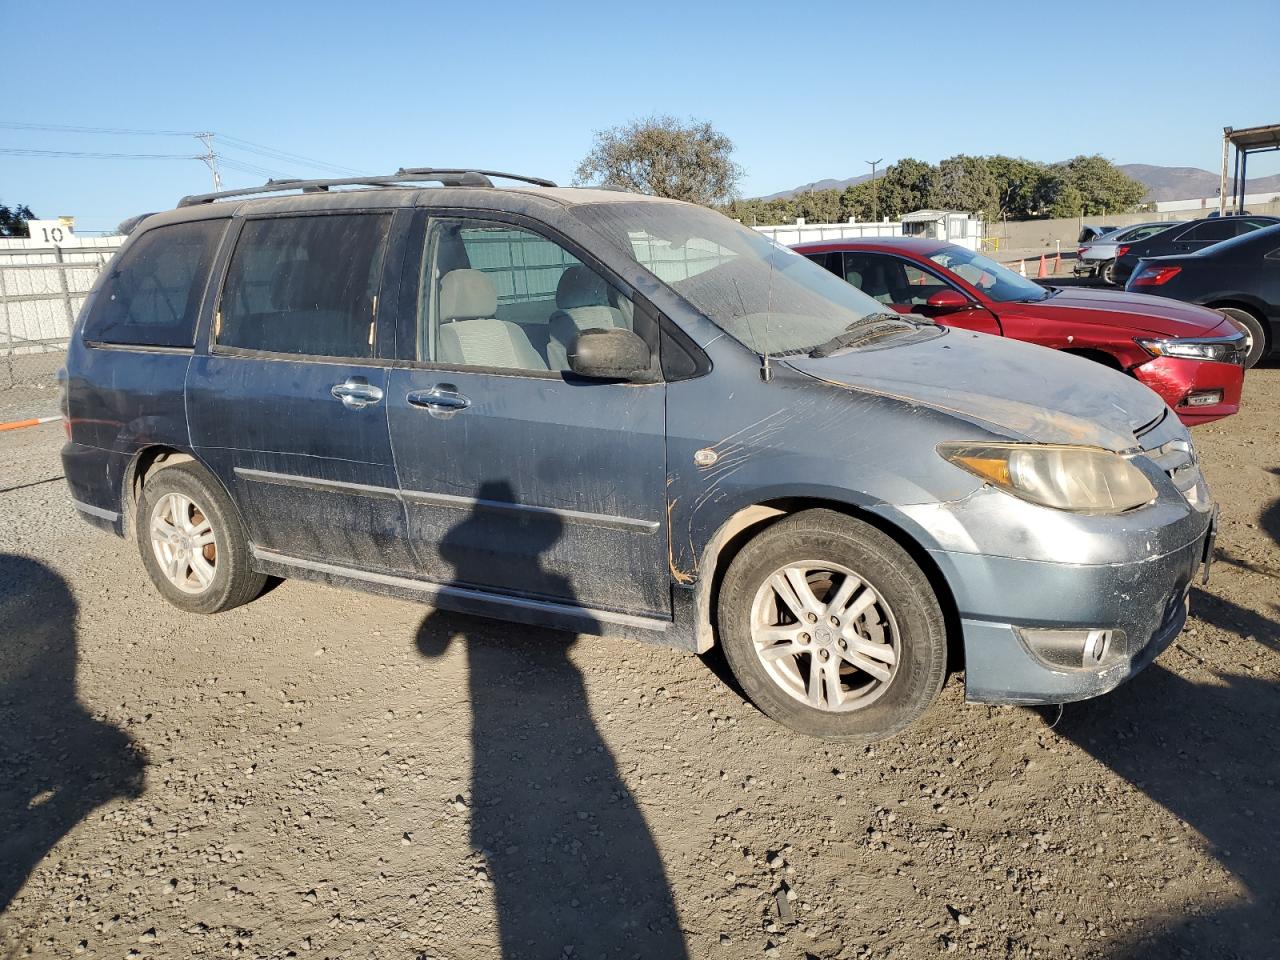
(967, 184)
(13, 221)
(1019, 185)
(820, 206)
(666, 157)
(764, 213)
(1064, 198)
(906, 185)
(1103, 187)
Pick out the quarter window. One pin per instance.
(151, 296)
(305, 285)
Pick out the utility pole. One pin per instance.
(210, 158)
(875, 205)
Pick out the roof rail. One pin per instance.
(445, 177)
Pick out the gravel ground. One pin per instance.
(327, 774)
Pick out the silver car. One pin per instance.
(1097, 257)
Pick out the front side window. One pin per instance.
(500, 296)
(890, 280)
(151, 295)
(305, 285)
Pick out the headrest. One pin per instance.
(467, 295)
(580, 286)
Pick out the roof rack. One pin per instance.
(445, 177)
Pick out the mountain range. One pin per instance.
(1162, 183)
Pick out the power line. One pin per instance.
(253, 168)
(250, 147)
(236, 143)
(86, 155)
(60, 128)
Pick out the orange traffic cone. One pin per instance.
(1057, 263)
(1044, 268)
(1022, 268)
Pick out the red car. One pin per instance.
(1191, 356)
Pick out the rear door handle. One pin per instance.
(441, 401)
(356, 393)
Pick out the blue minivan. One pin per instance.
(618, 414)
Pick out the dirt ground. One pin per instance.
(326, 774)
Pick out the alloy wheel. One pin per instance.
(184, 543)
(825, 636)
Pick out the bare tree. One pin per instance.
(664, 157)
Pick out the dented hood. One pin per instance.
(1016, 389)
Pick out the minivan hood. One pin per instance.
(1016, 389)
(1137, 311)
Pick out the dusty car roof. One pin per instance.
(391, 196)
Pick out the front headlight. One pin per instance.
(1079, 479)
(1221, 349)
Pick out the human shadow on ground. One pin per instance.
(571, 859)
(57, 763)
(1208, 754)
(1270, 520)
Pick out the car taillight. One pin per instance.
(1080, 251)
(1122, 250)
(1155, 276)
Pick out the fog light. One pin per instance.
(1086, 649)
(1204, 398)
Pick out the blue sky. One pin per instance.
(805, 90)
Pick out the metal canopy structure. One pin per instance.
(1246, 141)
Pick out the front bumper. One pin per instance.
(1146, 599)
(1176, 379)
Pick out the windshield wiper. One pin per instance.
(874, 326)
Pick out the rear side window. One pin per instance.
(305, 285)
(1211, 231)
(152, 295)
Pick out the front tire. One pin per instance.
(1253, 330)
(192, 542)
(832, 629)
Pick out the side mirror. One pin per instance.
(611, 355)
(948, 301)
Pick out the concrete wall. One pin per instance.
(1044, 235)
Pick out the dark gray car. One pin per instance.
(623, 415)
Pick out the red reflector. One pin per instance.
(1154, 276)
(1122, 250)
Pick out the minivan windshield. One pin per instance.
(767, 297)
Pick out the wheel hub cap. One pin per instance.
(825, 636)
(184, 543)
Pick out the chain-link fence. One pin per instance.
(41, 290)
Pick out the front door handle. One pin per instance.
(441, 401)
(356, 393)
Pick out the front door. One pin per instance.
(519, 478)
(287, 405)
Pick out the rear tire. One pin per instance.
(821, 593)
(1108, 273)
(1255, 331)
(192, 542)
